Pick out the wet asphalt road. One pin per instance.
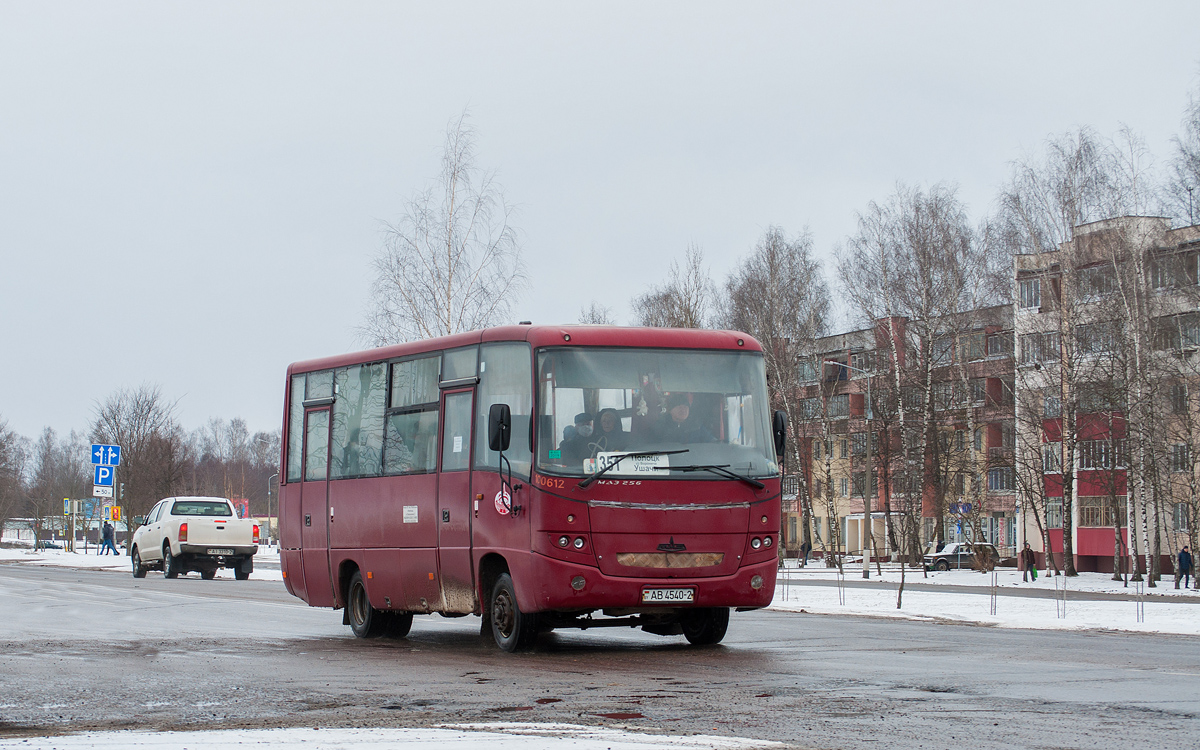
(92, 649)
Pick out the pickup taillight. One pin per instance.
(256, 533)
(183, 532)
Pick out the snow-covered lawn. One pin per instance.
(93, 561)
(450, 737)
(1164, 608)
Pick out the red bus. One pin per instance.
(540, 477)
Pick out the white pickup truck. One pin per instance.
(183, 534)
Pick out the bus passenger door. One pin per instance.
(454, 503)
(314, 509)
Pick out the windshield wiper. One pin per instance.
(722, 469)
(637, 454)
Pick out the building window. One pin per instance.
(1102, 454)
(1052, 457)
(862, 361)
(1031, 293)
(816, 448)
(960, 440)
(1098, 338)
(1181, 517)
(1000, 344)
(816, 526)
(1100, 512)
(839, 406)
(1052, 405)
(1040, 347)
(810, 408)
(858, 444)
(973, 347)
(1179, 457)
(960, 484)
(1179, 398)
(978, 439)
(943, 348)
(978, 391)
(1177, 332)
(1054, 513)
(1097, 282)
(844, 448)
(845, 486)
(1000, 479)
(806, 370)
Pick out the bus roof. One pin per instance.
(541, 336)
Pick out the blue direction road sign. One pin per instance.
(103, 476)
(107, 455)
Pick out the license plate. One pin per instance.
(220, 552)
(667, 595)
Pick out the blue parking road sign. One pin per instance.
(103, 476)
(107, 455)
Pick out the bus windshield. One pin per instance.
(680, 412)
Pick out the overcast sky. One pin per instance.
(191, 194)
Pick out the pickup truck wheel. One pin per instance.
(942, 565)
(396, 624)
(138, 570)
(208, 574)
(705, 627)
(512, 629)
(365, 620)
(170, 566)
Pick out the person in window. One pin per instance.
(577, 447)
(611, 436)
(677, 426)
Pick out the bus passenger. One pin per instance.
(676, 426)
(578, 447)
(611, 435)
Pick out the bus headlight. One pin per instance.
(578, 542)
(756, 582)
(563, 541)
(767, 541)
(577, 583)
(755, 543)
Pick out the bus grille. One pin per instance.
(670, 559)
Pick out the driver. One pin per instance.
(676, 424)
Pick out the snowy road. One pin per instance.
(97, 650)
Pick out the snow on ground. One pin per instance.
(1164, 608)
(92, 561)
(448, 737)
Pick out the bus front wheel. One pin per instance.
(512, 629)
(704, 627)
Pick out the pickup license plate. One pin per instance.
(667, 595)
(220, 552)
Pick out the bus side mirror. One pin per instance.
(779, 430)
(499, 427)
(138, 520)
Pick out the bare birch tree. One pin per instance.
(686, 300)
(779, 296)
(13, 453)
(597, 314)
(143, 423)
(1183, 183)
(453, 262)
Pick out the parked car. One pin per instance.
(960, 555)
(203, 534)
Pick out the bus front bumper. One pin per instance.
(554, 585)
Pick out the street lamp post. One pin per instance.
(269, 534)
(867, 539)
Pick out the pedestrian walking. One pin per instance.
(1184, 568)
(805, 549)
(1028, 563)
(106, 543)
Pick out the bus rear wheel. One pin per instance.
(512, 629)
(396, 624)
(365, 620)
(705, 627)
